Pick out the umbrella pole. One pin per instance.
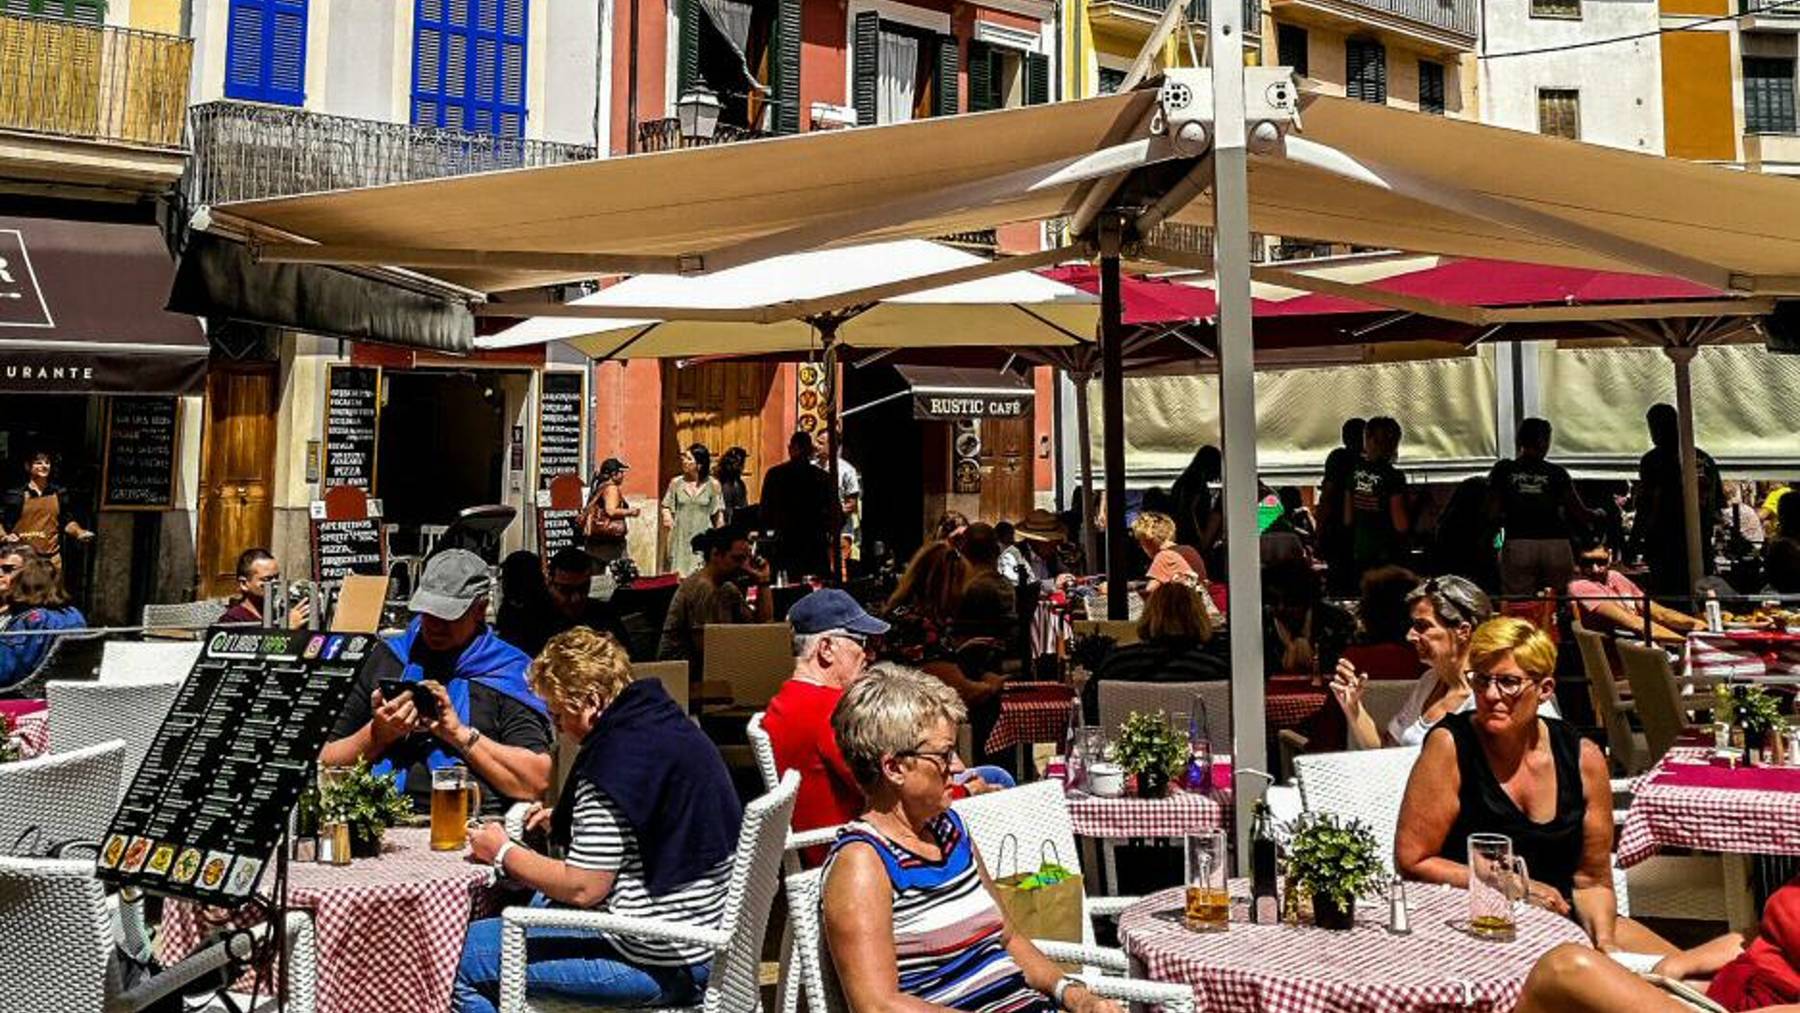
(1683, 356)
(828, 326)
(1090, 550)
(1112, 407)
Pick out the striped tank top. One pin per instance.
(949, 936)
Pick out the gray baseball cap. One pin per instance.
(453, 580)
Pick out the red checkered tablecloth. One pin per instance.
(1749, 820)
(1031, 712)
(1292, 709)
(1302, 969)
(1179, 814)
(1743, 653)
(390, 929)
(33, 732)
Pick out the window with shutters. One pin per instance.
(265, 51)
(902, 72)
(87, 12)
(469, 65)
(1431, 87)
(1291, 48)
(1004, 77)
(1111, 80)
(1365, 70)
(1565, 9)
(747, 53)
(1769, 95)
(1559, 112)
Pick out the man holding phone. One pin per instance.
(465, 698)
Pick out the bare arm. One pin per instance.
(392, 721)
(560, 881)
(859, 929)
(1347, 687)
(612, 501)
(514, 771)
(1427, 812)
(1040, 974)
(1623, 618)
(1595, 904)
(1662, 615)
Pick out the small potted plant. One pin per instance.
(1150, 749)
(366, 803)
(1759, 715)
(11, 749)
(1332, 861)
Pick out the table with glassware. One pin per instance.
(1749, 653)
(1031, 712)
(1287, 968)
(389, 930)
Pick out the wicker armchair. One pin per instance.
(786, 992)
(1656, 695)
(59, 940)
(148, 660)
(753, 658)
(736, 943)
(820, 977)
(63, 797)
(184, 616)
(84, 714)
(1628, 747)
(1119, 699)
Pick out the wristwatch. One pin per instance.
(499, 862)
(1063, 984)
(474, 737)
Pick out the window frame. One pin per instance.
(472, 103)
(1544, 93)
(1793, 117)
(266, 89)
(1434, 104)
(1355, 82)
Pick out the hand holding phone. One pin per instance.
(423, 700)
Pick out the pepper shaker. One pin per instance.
(1399, 921)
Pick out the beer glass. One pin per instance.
(454, 797)
(1208, 895)
(1498, 880)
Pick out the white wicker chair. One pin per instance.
(737, 943)
(83, 714)
(786, 994)
(59, 940)
(1365, 784)
(1118, 699)
(753, 658)
(65, 797)
(820, 977)
(186, 615)
(147, 660)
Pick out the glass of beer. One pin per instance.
(454, 797)
(1498, 880)
(1208, 894)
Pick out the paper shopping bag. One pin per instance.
(1046, 904)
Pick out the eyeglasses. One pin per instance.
(1509, 686)
(944, 758)
(1456, 595)
(859, 639)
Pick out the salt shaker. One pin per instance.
(1399, 923)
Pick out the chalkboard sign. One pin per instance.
(559, 426)
(352, 424)
(347, 536)
(207, 807)
(139, 466)
(557, 508)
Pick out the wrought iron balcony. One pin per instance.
(247, 151)
(115, 85)
(1150, 10)
(1769, 8)
(1453, 22)
(665, 135)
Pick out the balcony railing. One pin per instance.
(665, 135)
(97, 83)
(247, 151)
(1459, 17)
(1252, 11)
(1769, 8)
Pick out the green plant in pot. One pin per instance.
(1759, 715)
(1332, 861)
(365, 802)
(1149, 748)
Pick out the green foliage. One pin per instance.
(1756, 711)
(11, 750)
(368, 803)
(1329, 857)
(1147, 743)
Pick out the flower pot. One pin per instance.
(1328, 915)
(1153, 784)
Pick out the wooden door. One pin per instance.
(1006, 468)
(719, 405)
(237, 471)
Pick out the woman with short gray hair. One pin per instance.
(903, 876)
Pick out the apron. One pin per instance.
(37, 524)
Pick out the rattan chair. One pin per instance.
(672, 674)
(187, 616)
(147, 660)
(59, 798)
(753, 658)
(823, 995)
(786, 994)
(1628, 747)
(737, 943)
(59, 944)
(1365, 785)
(84, 714)
(1119, 699)
(1653, 690)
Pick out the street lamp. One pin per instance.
(698, 113)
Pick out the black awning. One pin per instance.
(81, 311)
(218, 278)
(947, 393)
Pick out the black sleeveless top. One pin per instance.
(1552, 850)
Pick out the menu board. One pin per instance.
(208, 805)
(140, 454)
(352, 424)
(559, 426)
(346, 535)
(557, 508)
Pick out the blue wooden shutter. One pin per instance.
(469, 65)
(509, 84)
(265, 51)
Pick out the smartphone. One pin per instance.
(392, 689)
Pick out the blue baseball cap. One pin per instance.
(832, 609)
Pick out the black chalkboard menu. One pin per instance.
(556, 530)
(352, 423)
(207, 807)
(139, 467)
(559, 426)
(344, 547)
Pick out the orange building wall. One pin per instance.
(1699, 8)
(625, 392)
(1698, 121)
(653, 48)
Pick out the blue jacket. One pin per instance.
(21, 656)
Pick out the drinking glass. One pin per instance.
(454, 796)
(1208, 896)
(1498, 880)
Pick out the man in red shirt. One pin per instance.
(1608, 600)
(831, 634)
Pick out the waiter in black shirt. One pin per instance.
(801, 508)
(1535, 503)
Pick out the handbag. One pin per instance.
(1046, 904)
(597, 526)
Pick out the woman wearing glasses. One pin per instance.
(1505, 769)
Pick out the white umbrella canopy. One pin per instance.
(785, 295)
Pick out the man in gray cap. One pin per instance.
(475, 708)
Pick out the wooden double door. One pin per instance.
(237, 471)
(720, 405)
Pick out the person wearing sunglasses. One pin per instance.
(1505, 768)
(1609, 600)
(35, 600)
(12, 560)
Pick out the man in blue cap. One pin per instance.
(479, 712)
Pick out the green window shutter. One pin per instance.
(866, 71)
(786, 67)
(1037, 79)
(947, 101)
(981, 78)
(687, 67)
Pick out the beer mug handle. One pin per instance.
(1523, 872)
(474, 790)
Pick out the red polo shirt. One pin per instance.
(798, 721)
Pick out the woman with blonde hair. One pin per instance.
(1155, 534)
(648, 821)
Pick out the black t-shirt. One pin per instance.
(1372, 484)
(1660, 472)
(492, 713)
(1532, 494)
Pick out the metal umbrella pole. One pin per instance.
(1090, 549)
(1683, 357)
(1112, 406)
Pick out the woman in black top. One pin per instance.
(730, 474)
(1176, 644)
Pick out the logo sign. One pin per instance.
(971, 405)
(21, 300)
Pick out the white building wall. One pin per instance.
(1620, 84)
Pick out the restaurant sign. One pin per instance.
(947, 406)
(21, 300)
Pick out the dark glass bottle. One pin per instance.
(1265, 907)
